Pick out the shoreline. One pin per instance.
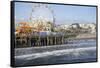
(86, 36)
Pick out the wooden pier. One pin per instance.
(33, 40)
(38, 41)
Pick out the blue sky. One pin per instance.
(64, 14)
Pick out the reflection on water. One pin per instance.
(76, 51)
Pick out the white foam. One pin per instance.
(75, 52)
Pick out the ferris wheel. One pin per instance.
(42, 12)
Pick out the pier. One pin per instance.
(47, 40)
(32, 41)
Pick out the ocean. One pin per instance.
(73, 52)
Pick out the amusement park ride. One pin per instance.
(37, 23)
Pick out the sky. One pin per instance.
(64, 14)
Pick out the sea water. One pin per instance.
(74, 51)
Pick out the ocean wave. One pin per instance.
(74, 52)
